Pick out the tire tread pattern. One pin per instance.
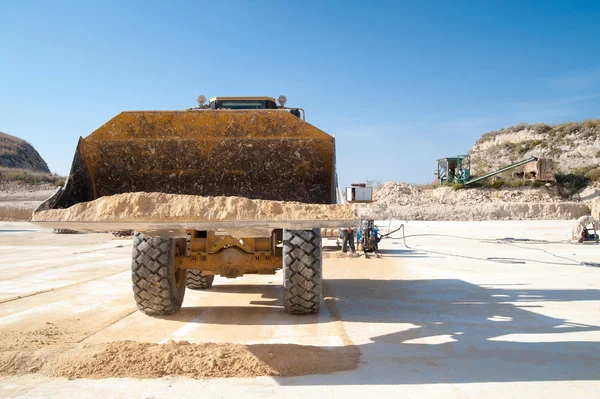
(197, 281)
(302, 271)
(152, 273)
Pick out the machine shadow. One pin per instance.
(445, 331)
(452, 331)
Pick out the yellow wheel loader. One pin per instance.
(232, 146)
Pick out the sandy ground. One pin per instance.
(19, 205)
(447, 317)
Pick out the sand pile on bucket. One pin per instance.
(161, 206)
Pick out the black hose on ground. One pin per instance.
(506, 241)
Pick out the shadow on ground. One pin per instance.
(444, 331)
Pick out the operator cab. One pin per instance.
(242, 103)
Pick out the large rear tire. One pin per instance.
(302, 271)
(158, 287)
(198, 281)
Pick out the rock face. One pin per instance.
(19, 154)
(595, 208)
(573, 146)
(400, 194)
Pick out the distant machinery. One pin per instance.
(454, 169)
(458, 170)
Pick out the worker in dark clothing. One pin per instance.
(348, 239)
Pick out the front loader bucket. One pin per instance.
(259, 154)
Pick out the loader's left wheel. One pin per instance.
(158, 287)
(122, 233)
(302, 271)
(198, 281)
(64, 231)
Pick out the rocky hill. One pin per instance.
(16, 153)
(574, 147)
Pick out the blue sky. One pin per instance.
(399, 83)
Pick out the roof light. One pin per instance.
(282, 100)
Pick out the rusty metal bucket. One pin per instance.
(259, 154)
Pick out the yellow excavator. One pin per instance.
(231, 146)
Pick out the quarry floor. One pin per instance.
(458, 314)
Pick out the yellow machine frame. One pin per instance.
(218, 253)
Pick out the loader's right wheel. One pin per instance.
(158, 287)
(198, 281)
(302, 271)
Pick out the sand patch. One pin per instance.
(340, 255)
(128, 359)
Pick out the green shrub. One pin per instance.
(571, 183)
(520, 126)
(498, 183)
(457, 186)
(591, 123)
(541, 128)
(59, 183)
(593, 174)
(511, 146)
(27, 176)
(517, 183)
(488, 136)
(527, 146)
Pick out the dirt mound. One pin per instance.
(404, 201)
(127, 359)
(394, 194)
(399, 194)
